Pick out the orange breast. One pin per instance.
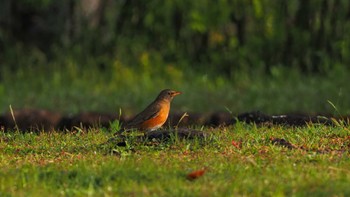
(157, 121)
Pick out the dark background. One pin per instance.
(237, 56)
(223, 35)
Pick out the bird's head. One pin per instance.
(167, 94)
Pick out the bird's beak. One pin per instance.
(176, 93)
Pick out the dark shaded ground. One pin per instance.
(40, 120)
(163, 134)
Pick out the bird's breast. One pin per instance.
(159, 120)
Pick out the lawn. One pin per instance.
(114, 57)
(72, 90)
(236, 160)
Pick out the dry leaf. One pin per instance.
(236, 144)
(196, 174)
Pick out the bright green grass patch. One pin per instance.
(81, 164)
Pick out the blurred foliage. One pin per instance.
(222, 36)
(76, 55)
(71, 90)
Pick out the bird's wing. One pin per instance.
(150, 112)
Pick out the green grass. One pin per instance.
(80, 164)
(72, 89)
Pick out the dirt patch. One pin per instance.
(159, 135)
(31, 119)
(299, 119)
(44, 120)
(282, 142)
(91, 119)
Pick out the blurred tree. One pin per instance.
(223, 35)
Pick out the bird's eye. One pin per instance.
(169, 93)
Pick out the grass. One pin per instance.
(240, 160)
(72, 89)
(80, 164)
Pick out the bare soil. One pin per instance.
(44, 120)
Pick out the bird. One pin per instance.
(155, 114)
